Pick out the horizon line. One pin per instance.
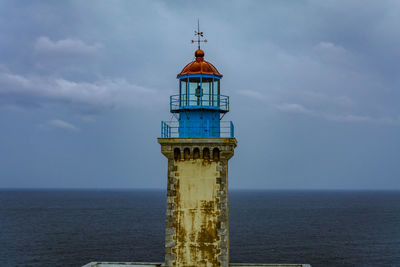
(162, 189)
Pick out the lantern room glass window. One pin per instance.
(183, 92)
(216, 93)
(199, 91)
(207, 84)
(195, 93)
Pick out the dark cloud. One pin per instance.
(100, 94)
(313, 85)
(66, 47)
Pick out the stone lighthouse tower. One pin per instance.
(198, 146)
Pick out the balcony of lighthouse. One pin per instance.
(199, 92)
(199, 101)
(197, 129)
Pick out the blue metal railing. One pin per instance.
(172, 129)
(165, 129)
(196, 101)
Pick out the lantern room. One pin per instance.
(199, 105)
(199, 87)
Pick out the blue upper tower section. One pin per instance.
(199, 106)
(199, 102)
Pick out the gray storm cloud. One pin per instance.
(105, 93)
(69, 47)
(314, 89)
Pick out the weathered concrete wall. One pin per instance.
(196, 213)
(197, 225)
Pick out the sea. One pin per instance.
(321, 228)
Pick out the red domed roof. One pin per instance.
(199, 66)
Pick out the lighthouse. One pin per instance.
(198, 146)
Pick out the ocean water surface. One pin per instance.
(322, 228)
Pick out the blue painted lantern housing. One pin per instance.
(199, 106)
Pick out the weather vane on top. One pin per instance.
(199, 34)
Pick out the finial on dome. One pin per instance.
(199, 54)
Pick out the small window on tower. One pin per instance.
(196, 153)
(216, 154)
(186, 154)
(206, 153)
(177, 154)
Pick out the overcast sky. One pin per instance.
(314, 89)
